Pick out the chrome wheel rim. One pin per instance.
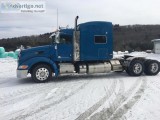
(154, 67)
(42, 74)
(137, 68)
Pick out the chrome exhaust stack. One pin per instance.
(76, 42)
(76, 19)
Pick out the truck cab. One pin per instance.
(94, 42)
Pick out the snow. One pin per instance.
(111, 96)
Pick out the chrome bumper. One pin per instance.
(22, 73)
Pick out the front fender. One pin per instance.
(37, 60)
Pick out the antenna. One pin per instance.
(57, 18)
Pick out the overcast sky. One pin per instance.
(123, 12)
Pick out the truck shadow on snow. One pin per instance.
(82, 77)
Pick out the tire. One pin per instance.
(41, 73)
(152, 67)
(128, 72)
(145, 65)
(136, 68)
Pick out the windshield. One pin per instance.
(61, 38)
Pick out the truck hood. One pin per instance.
(40, 51)
(38, 48)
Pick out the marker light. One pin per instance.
(23, 67)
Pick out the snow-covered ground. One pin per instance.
(111, 96)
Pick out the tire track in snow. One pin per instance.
(21, 90)
(48, 105)
(22, 93)
(93, 108)
(27, 92)
(16, 96)
(122, 110)
(37, 95)
(80, 101)
(106, 113)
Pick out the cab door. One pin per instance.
(65, 48)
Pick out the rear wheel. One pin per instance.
(135, 68)
(152, 67)
(41, 73)
(128, 72)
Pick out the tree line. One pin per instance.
(11, 44)
(135, 37)
(130, 37)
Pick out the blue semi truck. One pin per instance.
(86, 49)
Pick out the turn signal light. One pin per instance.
(23, 67)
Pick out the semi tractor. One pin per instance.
(85, 49)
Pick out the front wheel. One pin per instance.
(41, 73)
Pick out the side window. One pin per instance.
(66, 39)
(100, 39)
